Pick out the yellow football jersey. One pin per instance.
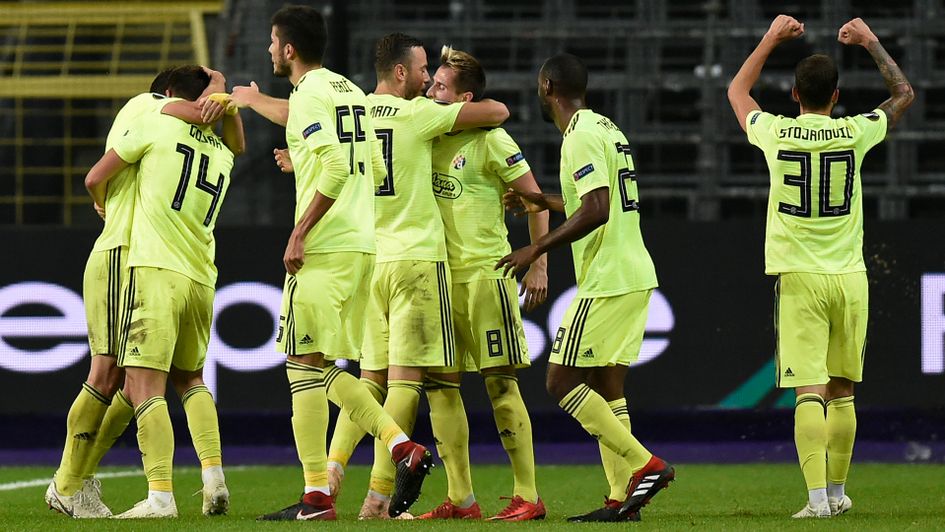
(612, 259)
(119, 196)
(407, 219)
(326, 108)
(183, 175)
(471, 170)
(815, 206)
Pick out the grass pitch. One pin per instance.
(714, 497)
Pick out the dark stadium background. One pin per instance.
(659, 69)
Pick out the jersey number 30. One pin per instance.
(804, 181)
(202, 183)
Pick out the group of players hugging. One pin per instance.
(417, 283)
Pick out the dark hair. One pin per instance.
(188, 82)
(159, 85)
(469, 73)
(568, 75)
(304, 28)
(391, 50)
(816, 79)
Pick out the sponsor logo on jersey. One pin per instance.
(871, 115)
(514, 159)
(446, 186)
(583, 172)
(754, 118)
(314, 128)
(458, 162)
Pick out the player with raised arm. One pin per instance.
(814, 244)
(330, 254)
(615, 277)
(471, 170)
(409, 331)
(168, 293)
(101, 413)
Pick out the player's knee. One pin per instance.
(839, 387)
(499, 386)
(106, 380)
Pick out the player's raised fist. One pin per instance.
(784, 28)
(856, 32)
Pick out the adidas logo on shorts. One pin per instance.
(588, 354)
(788, 373)
(305, 340)
(134, 351)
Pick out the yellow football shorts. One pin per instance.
(105, 272)
(323, 306)
(820, 322)
(167, 320)
(602, 331)
(488, 325)
(409, 319)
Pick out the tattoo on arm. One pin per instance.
(900, 90)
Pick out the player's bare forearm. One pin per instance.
(783, 28)
(739, 91)
(97, 179)
(537, 229)
(593, 213)
(233, 136)
(555, 202)
(900, 90)
(313, 214)
(273, 109)
(99, 192)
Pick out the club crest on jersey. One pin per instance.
(583, 172)
(314, 128)
(459, 162)
(514, 159)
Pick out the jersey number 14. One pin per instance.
(202, 184)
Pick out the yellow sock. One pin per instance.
(810, 437)
(347, 433)
(362, 407)
(204, 427)
(309, 421)
(113, 425)
(82, 427)
(841, 432)
(451, 433)
(156, 442)
(592, 412)
(515, 431)
(403, 397)
(616, 469)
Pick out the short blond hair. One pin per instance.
(470, 76)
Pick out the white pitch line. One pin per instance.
(20, 484)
